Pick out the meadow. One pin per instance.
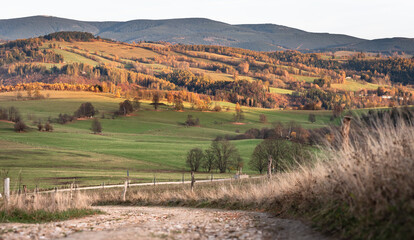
(148, 143)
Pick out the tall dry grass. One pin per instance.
(51, 202)
(362, 191)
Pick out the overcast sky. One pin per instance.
(361, 18)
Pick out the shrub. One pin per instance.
(48, 127)
(125, 108)
(40, 127)
(20, 126)
(192, 121)
(85, 110)
(217, 108)
(96, 126)
(312, 118)
(263, 118)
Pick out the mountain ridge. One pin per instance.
(259, 37)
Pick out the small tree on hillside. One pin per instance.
(263, 118)
(48, 127)
(192, 121)
(125, 108)
(194, 159)
(239, 115)
(85, 110)
(337, 110)
(19, 126)
(40, 126)
(225, 154)
(136, 104)
(96, 126)
(312, 118)
(208, 161)
(178, 102)
(156, 100)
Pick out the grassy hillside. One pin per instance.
(149, 143)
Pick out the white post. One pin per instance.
(7, 189)
(125, 191)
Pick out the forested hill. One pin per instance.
(260, 37)
(282, 79)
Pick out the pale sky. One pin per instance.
(361, 18)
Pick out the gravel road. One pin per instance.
(164, 223)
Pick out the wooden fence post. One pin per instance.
(36, 190)
(71, 189)
(125, 190)
(7, 189)
(212, 177)
(183, 178)
(154, 180)
(192, 181)
(346, 123)
(269, 166)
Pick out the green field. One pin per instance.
(351, 85)
(149, 143)
(280, 90)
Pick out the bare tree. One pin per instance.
(225, 154)
(96, 126)
(194, 159)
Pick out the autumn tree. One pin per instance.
(194, 159)
(239, 115)
(244, 67)
(156, 100)
(96, 126)
(178, 102)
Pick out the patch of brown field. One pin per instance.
(5, 121)
(238, 123)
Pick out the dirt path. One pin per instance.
(164, 223)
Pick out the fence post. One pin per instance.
(125, 190)
(212, 177)
(192, 181)
(24, 189)
(183, 178)
(346, 123)
(154, 180)
(71, 189)
(269, 166)
(103, 185)
(7, 189)
(36, 190)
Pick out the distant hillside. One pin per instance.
(260, 37)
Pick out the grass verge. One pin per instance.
(41, 216)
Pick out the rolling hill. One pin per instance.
(259, 37)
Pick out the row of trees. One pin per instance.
(222, 156)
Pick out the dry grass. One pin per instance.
(54, 202)
(364, 191)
